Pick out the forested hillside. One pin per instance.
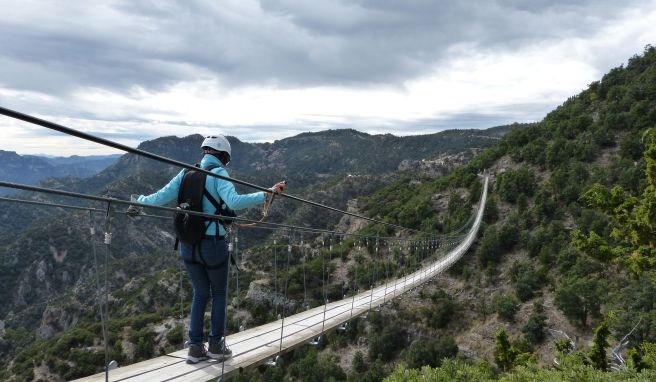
(569, 249)
(561, 285)
(50, 317)
(562, 272)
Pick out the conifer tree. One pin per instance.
(633, 239)
(504, 352)
(597, 354)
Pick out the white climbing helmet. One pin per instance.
(217, 142)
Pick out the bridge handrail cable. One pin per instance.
(106, 142)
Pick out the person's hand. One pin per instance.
(278, 187)
(133, 211)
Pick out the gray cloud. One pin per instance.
(283, 42)
(60, 50)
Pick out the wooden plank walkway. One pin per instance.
(257, 345)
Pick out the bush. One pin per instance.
(430, 352)
(534, 328)
(525, 279)
(597, 353)
(387, 343)
(175, 336)
(579, 298)
(505, 305)
(441, 310)
(314, 368)
(509, 234)
(513, 183)
(489, 249)
(358, 364)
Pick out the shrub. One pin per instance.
(390, 340)
(513, 183)
(430, 352)
(534, 328)
(525, 279)
(505, 305)
(440, 312)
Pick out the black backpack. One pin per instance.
(191, 228)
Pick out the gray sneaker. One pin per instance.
(196, 354)
(219, 351)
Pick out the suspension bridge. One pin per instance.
(265, 343)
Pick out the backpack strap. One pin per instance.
(215, 203)
(217, 206)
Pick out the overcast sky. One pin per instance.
(265, 70)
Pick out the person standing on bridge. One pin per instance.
(207, 262)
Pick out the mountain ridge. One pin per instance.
(31, 169)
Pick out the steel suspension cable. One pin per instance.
(354, 285)
(386, 264)
(325, 293)
(371, 278)
(106, 142)
(48, 204)
(376, 277)
(101, 311)
(262, 225)
(238, 297)
(275, 275)
(306, 306)
(108, 243)
(289, 255)
(225, 312)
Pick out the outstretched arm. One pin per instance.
(166, 194)
(232, 199)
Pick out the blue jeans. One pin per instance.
(207, 267)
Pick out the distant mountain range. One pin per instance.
(45, 253)
(317, 166)
(305, 158)
(30, 169)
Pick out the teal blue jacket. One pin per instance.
(218, 188)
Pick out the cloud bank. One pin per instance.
(266, 70)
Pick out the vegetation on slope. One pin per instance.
(575, 206)
(564, 247)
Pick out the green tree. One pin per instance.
(491, 213)
(440, 311)
(633, 238)
(525, 279)
(579, 298)
(430, 352)
(505, 305)
(534, 328)
(597, 354)
(390, 341)
(512, 183)
(504, 352)
(451, 371)
(631, 146)
(358, 364)
(563, 345)
(313, 368)
(175, 336)
(489, 249)
(375, 373)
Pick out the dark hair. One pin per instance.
(223, 156)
